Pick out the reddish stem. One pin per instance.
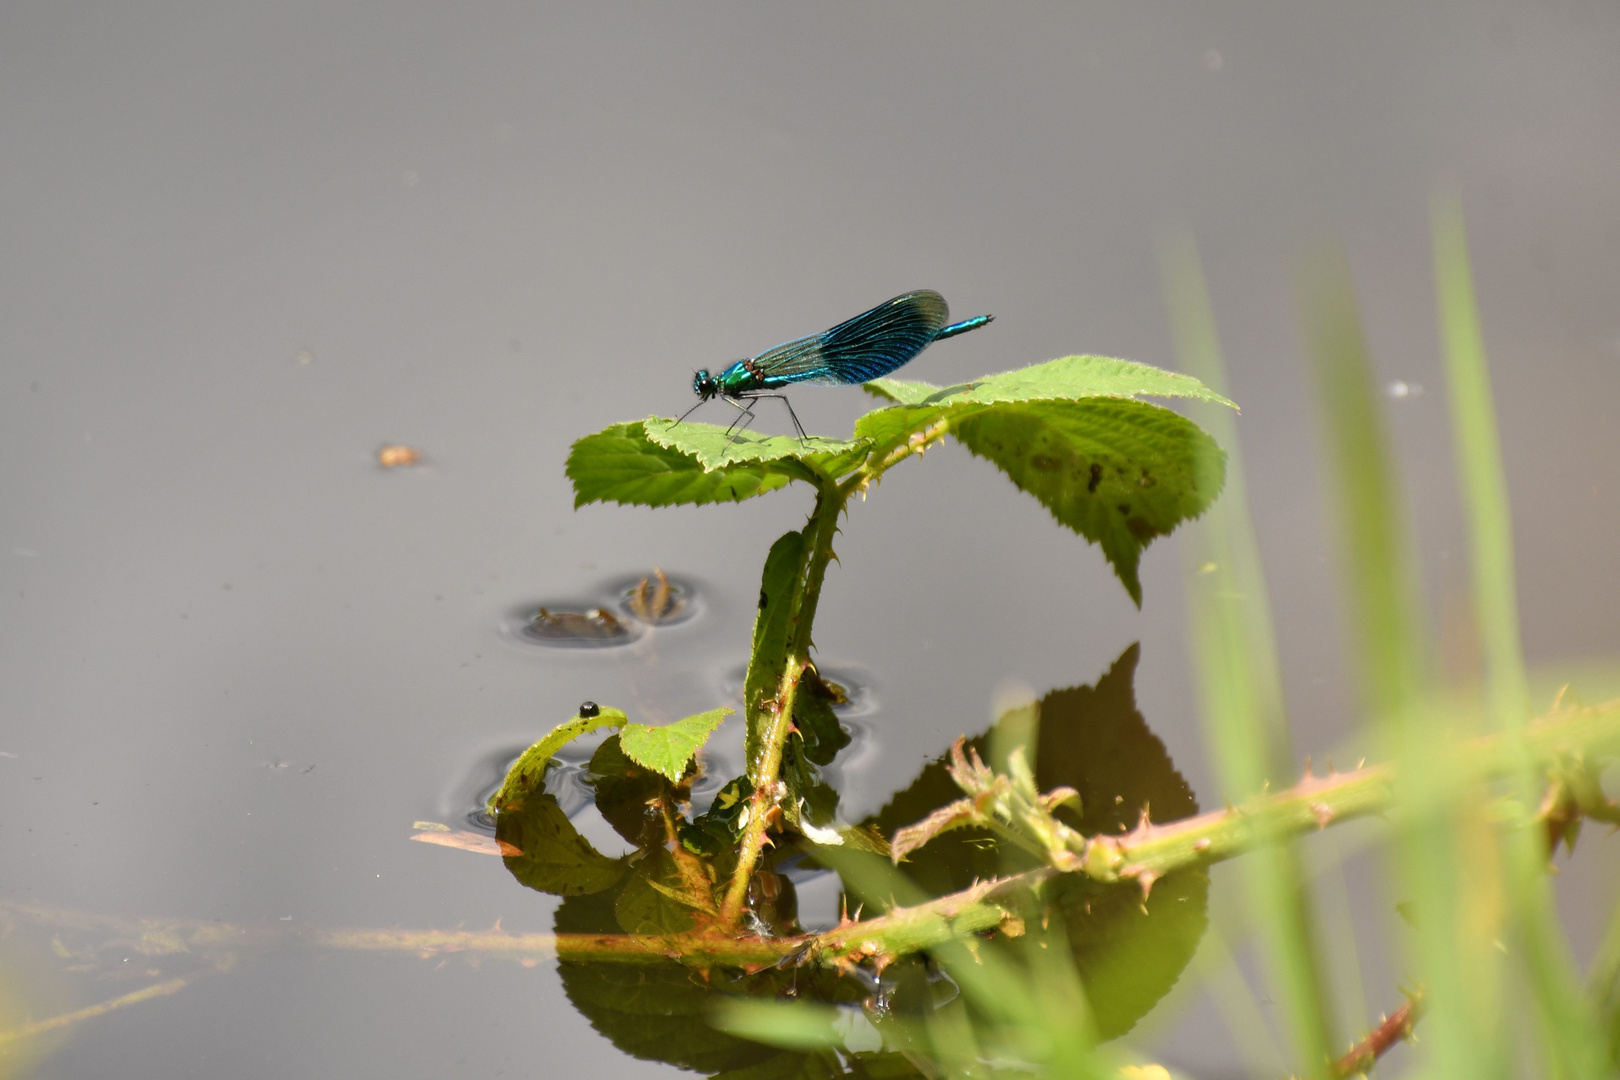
(1396, 1027)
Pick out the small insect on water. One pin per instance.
(867, 347)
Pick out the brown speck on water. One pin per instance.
(394, 455)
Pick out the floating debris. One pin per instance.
(393, 455)
(654, 600)
(593, 626)
(462, 840)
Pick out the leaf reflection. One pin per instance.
(1127, 949)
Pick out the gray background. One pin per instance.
(243, 245)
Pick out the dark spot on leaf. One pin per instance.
(1124, 508)
(1141, 529)
(1045, 463)
(1096, 477)
(1147, 479)
(762, 600)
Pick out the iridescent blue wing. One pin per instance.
(870, 345)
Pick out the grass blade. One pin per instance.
(1235, 646)
(1567, 1025)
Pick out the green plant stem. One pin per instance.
(773, 719)
(1241, 684)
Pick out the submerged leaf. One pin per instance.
(670, 748)
(659, 1012)
(551, 856)
(654, 902)
(629, 795)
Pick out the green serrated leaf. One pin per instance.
(668, 749)
(1118, 471)
(528, 772)
(907, 391)
(717, 448)
(1066, 378)
(1070, 377)
(621, 464)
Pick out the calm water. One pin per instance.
(246, 246)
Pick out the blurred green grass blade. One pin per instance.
(1444, 855)
(1479, 466)
(1380, 586)
(1604, 985)
(1235, 646)
(1238, 1005)
(1252, 746)
(1026, 999)
(791, 1025)
(1569, 1030)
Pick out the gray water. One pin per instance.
(246, 245)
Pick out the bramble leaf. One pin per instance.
(668, 749)
(621, 464)
(1070, 432)
(529, 771)
(1116, 470)
(716, 448)
(551, 854)
(653, 902)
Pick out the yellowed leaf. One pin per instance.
(477, 843)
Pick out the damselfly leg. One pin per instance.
(793, 415)
(746, 416)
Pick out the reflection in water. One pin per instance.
(1128, 950)
(849, 690)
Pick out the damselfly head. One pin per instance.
(704, 385)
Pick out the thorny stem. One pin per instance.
(773, 719)
(689, 866)
(1141, 856)
(1396, 1027)
(1145, 854)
